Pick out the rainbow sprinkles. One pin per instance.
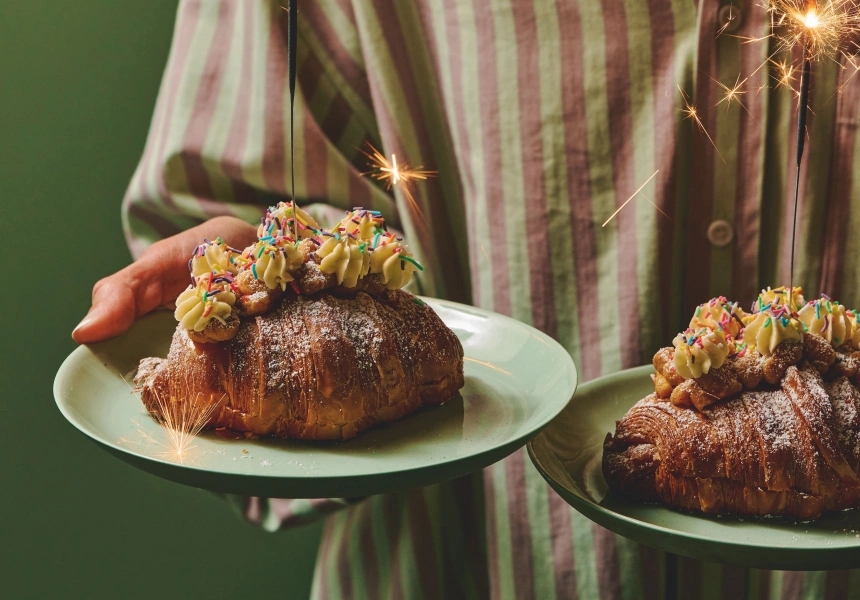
(357, 254)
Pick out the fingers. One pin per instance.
(119, 299)
(154, 280)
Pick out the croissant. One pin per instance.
(742, 422)
(315, 368)
(792, 451)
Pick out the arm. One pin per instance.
(217, 155)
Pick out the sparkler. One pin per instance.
(400, 175)
(180, 420)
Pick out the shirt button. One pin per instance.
(729, 18)
(720, 233)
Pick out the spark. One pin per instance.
(658, 208)
(732, 94)
(626, 202)
(180, 421)
(401, 176)
(689, 111)
(786, 75)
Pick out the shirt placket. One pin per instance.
(731, 94)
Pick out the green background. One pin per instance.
(78, 82)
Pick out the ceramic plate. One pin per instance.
(568, 453)
(517, 380)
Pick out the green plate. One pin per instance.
(568, 453)
(517, 381)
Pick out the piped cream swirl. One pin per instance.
(275, 263)
(346, 257)
(393, 261)
(828, 319)
(363, 224)
(719, 313)
(212, 257)
(278, 222)
(199, 304)
(776, 297)
(767, 329)
(697, 352)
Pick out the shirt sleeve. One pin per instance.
(219, 140)
(275, 514)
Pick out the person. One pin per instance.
(541, 120)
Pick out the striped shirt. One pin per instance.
(541, 119)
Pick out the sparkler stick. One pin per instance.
(802, 106)
(292, 36)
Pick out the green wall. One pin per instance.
(77, 88)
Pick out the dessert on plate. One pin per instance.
(752, 413)
(305, 336)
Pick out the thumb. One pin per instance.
(113, 311)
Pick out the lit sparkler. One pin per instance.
(400, 175)
(821, 28)
(181, 421)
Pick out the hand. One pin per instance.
(154, 280)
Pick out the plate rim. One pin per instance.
(497, 451)
(672, 540)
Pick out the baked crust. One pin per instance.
(792, 450)
(315, 368)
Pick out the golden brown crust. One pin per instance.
(818, 352)
(216, 331)
(316, 368)
(664, 363)
(793, 450)
(786, 354)
(255, 297)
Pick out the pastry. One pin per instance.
(309, 338)
(753, 414)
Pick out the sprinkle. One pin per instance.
(817, 310)
(826, 323)
(767, 323)
(295, 288)
(413, 261)
(698, 310)
(254, 270)
(784, 322)
(376, 240)
(419, 301)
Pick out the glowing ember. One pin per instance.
(811, 19)
(822, 28)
